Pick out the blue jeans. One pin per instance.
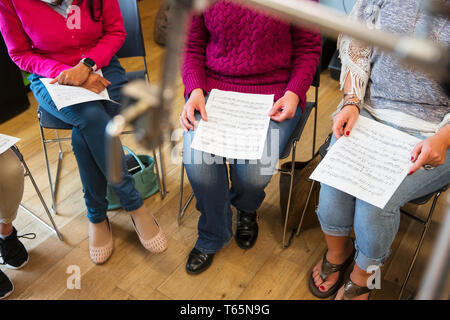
(375, 228)
(208, 175)
(89, 121)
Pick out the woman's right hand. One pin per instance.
(344, 121)
(96, 83)
(75, 76)
(196, 101)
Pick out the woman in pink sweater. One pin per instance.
(234, 48)
(68, 40)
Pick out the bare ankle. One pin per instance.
(339, 255)
(6, 229)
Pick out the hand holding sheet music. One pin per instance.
(7, 142)
(64, 96)
(369, 164)
(237, 125)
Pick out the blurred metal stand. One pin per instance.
(436, 276)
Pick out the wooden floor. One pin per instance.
(264, 272)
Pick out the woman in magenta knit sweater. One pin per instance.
(234, 48)
(68, 40)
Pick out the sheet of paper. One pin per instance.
(370, 164)
(7, 142)
(237, 125)
(64, 96)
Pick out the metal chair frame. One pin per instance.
(292, 171)
(183, 207)
(27, 173)
(426, 226)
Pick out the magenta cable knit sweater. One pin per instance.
(234, 48)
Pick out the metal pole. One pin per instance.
(423, 53)
(437, 272)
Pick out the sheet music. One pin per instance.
(7, 142)
(237, 125)
(64, 96)
(370, 164)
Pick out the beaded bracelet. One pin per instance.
(352, 103)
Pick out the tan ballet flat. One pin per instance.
(100, 255)
(157, 244)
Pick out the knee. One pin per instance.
(93, 116)
(11, 168)
(251, 179)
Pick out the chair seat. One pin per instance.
(426, 198)
(48, 121)
(135, 75)
(324, 148)
(296, 134)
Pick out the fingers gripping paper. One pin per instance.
(369, 164)
(237, 125)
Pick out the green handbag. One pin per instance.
(145, 181)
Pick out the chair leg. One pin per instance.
(50, 182)
(161, 163)
(44, 205)
(161, 191)
(419, 246)
(315, 128)
(291, 174)
(28, 174)
(58, 169)
(182, 209)
(304, 209)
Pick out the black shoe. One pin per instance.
(198, 261)
(247, 229)
(6, 286)
(13, 252)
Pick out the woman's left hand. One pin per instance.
(285, 107)
(431, 151)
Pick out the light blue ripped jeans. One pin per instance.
(375, 228)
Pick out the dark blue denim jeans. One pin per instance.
(89, 121)
(208, 175)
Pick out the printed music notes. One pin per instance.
(370, 164)
(64, 96)
(237, 125)
(7, 142)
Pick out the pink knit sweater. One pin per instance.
(42, 41)
(234, 48)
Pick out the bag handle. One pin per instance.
(135, 156)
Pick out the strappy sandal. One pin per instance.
(328, 269)
(352, 290)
